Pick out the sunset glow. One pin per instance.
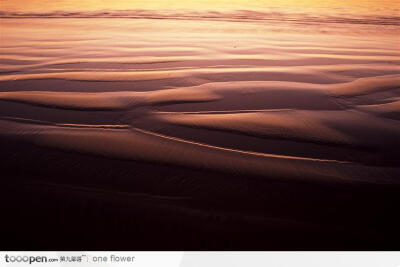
(330, 6)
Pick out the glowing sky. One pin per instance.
(386, 7)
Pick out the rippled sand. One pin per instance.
(284, 131)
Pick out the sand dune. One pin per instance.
(282, 127)
(107, 101)
(213, 74)
(142, 145)
(390, 110)
(332, 127)
(366, 86)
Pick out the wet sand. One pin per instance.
(200, 134)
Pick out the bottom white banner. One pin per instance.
(201, 259)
